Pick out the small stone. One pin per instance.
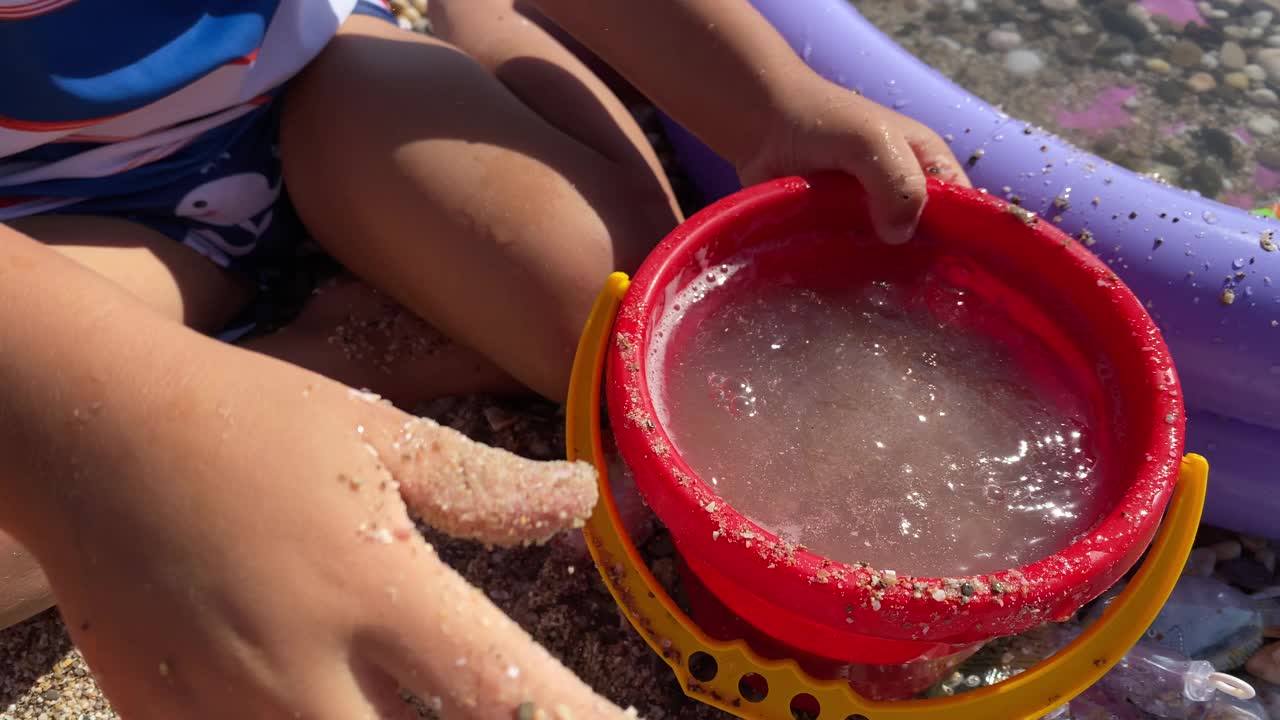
(1263, 124)
(1270, 157)
(1267, 557)
(1169, 90)
(1269, 60)
(1246, 573)
(1121, 22)
(1113, 45)
(1227, 550)
(1253, 543)
(1200, 562)
(1255, 73)
(1204, 178)
(1265, 663)
(1201, 82)
(1262, 18)
(1232, 55)
(1273, 41)
(1060, 6)
(1264, 96)
(1237, 80)
(1218, 142)
(1209, 61)
(1158, 66)
(1171, 157)
(1185, 53)
(1003, 40)
(1022, 62)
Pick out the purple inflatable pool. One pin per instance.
(1209, 274)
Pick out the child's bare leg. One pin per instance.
(362, 338)
(432, 178)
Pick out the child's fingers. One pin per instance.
(894, 181)
(934, 155)
(474, 491)
(465, 658)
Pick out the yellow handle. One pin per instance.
(676, 638)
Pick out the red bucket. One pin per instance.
(893, 637)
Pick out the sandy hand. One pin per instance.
(473, 491)
(459, 651)
(281, 576)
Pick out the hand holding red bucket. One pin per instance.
(809, 606)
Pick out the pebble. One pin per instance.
(1185, 53)
(1158, 65)
(1267, 557)
(1200, 562)
(1273, 41)
(1255, 73)
(1122, 23)
(1269, 60)
(1201, 82)
(1232, 56)
(1237, 80)
(1003, 40)
(1262, 18)
(1227, 550)
(1209, 61)
(1263, 124)
(1204, 178)
(1060, 6)
(1269, 157)
(1023, 62)
(1246, 573)
(1265, 663)
(1217, 142)
(1235, 32)
(1253, 543)
(1264, 96)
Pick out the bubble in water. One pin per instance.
(1209, 216)
(735, 395)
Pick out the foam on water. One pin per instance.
(871, 428)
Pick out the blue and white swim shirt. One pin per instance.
(117, 97)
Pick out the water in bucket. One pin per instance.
(914, 427)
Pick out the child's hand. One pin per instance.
(256, 560)
(822, 126)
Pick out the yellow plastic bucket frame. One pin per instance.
(675, 637)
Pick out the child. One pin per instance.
(225, 528)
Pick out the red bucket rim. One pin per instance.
(1017, 598)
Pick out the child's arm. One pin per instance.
(723, 72)
(225, 533)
